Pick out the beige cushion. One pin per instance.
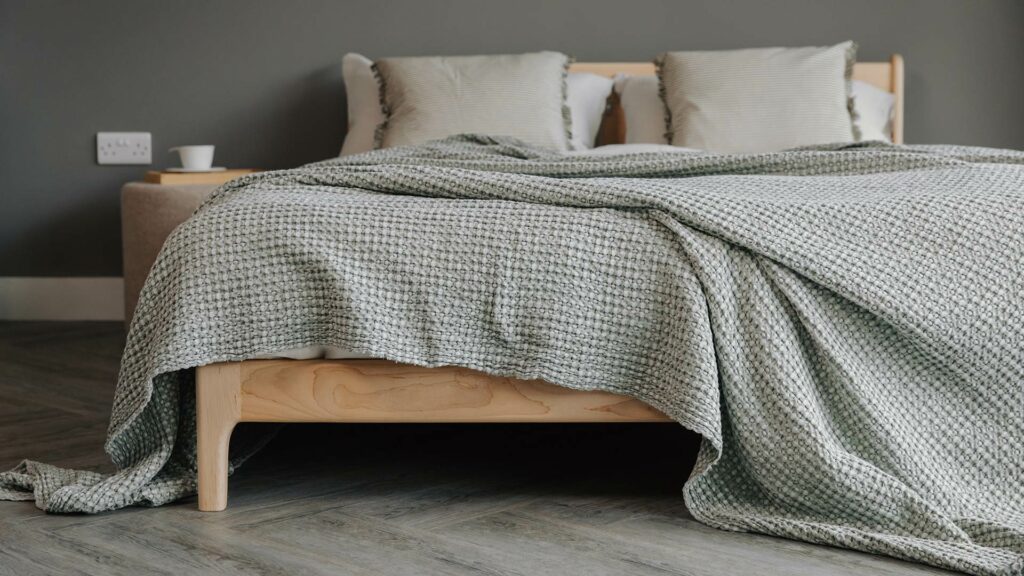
(363, 98)
(523, 95)
(587, 97)
(149, 213)
(758, 100)
(643, 108)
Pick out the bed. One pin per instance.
(841, 323)
(373, 390)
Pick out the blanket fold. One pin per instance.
(843, 325)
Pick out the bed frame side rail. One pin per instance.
(375, 391)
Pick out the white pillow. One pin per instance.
(873, 108)
(587, 95)
(643, 108)
(645, 112)
(363, 94)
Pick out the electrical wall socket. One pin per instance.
(124, 148)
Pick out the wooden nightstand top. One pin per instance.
(156, 177)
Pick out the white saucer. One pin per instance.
(214, 169)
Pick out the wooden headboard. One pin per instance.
(886, 75)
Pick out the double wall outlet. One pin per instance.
(124, 148)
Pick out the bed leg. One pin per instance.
(218, 409)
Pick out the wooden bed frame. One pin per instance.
(384, 391)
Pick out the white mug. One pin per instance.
(195, 157)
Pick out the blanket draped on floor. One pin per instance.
(844, 326)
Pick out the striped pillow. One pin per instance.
(523, 95)
(758, 100)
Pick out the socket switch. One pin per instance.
(124, 148)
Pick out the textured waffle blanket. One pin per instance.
(844, 327)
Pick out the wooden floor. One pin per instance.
(470, 499)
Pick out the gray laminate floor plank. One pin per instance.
(667, 539)
(184, 546)
(373, 500)
(28, 551)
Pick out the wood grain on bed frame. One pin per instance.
(383, 391)
(376, 391)
(885, 75)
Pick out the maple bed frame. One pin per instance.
(383, 391)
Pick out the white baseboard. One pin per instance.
(61, 298)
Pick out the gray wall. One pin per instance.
(261, 80)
